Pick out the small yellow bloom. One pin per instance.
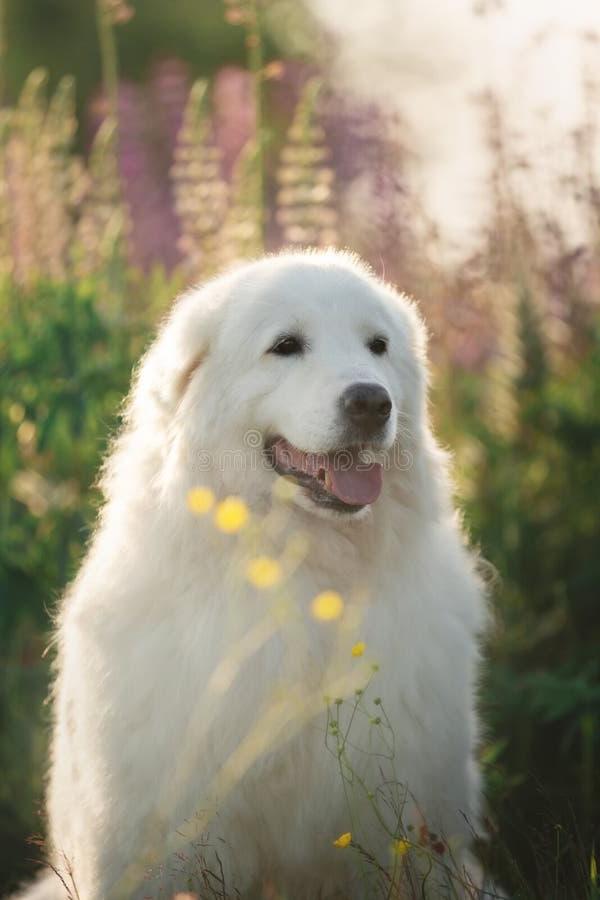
(264, 572)
(343, 840)
(200, 500)
(593, 869)
(327, 605)
(231, 515)
(359, 649)
(400, 847)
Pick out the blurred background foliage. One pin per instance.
(119, 188)
(60, 36)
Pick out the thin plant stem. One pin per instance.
(108, 59)
(110, 81)
(3, 49)
(254, 44)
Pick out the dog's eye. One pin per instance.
(288, 345)
(377, 346)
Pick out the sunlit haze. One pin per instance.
(535, 57)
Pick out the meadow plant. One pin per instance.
(200, 192)
(242, 231)
(305, 199)
(419, 862)
(515, 346)
(39, 181)
(101, 228)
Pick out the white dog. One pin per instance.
(193, 748)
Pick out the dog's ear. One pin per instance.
(184, 345)
(419, 472)
(428, 478)
(422, 482)
(183, 374)
(170, 365)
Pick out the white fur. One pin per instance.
(165, 687)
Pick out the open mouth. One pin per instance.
(342, 480)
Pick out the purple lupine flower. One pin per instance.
(169, 88)
(143, 183)
(143, 170)
(367, 158)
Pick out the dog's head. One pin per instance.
(301, 365)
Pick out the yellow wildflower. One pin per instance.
(263, 572)
(343, 840)
(359, 648)
(327, 605)
(400, 847)
(231, 515)
(200, 500)
(593, 869)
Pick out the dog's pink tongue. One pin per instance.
(359, 484)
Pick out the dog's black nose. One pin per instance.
(367, 407)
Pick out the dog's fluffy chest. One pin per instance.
(224, 672)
